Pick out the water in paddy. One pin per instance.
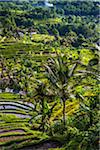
(17, 108)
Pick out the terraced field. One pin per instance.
(15, 129)
(34, 44)
(49, 75)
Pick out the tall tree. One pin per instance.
(59, 73)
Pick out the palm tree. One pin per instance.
(59, 73)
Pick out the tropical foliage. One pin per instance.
(49, 75)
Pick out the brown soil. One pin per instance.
(11, 131)
(11, 138)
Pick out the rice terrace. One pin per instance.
(49, 74)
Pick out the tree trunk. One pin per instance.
(64, 113)
(43, 116)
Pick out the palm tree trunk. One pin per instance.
(64, 112)
(43, 116)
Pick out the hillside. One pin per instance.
(49, 75)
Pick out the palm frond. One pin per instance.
(71, 71)
(90, 72)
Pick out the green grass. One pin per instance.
(49, 21)
(18, 48)
(18, 12)
(6, 95)
(42, 38)
(14, 124)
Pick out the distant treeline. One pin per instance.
(78, 7)
(79, 17)
(60, 7)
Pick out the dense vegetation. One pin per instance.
(49, 75)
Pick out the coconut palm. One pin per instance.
(59, 73)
